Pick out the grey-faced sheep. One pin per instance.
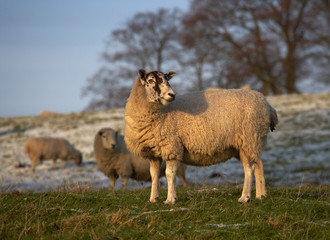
(201, 128)
(46, 148)
(114, 160)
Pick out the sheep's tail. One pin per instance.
(273, 118)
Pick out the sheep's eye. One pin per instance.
(150, 81)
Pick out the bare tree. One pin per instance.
(201, 52)
(266, 44)
(273, 45)
(317, 31)
(147, 40)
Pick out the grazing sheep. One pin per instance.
(246, 86)
(45, 148)
(114, 160)
(48, 114)
(201, 128)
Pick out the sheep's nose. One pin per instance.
(172, 95)
(113, 146)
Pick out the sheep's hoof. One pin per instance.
(244, 199)
(261, 197)
(154, 200)
(172, 201)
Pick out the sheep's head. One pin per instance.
(108, 138)
(78, 158)
(156, 85)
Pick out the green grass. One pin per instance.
(200, 213)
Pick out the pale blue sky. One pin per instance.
(49, 48)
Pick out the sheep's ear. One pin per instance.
(142, 75)
(169, 75)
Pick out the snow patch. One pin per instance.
(297, 152)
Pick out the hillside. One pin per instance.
(297, 152)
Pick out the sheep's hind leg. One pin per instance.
(260, 180)
(124, 181)
(171, 167)
(180, 173)
(246, 193)
(62, 164)
(52, 167)
(154, 173)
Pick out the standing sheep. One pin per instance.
(201, 128)
(46, 148)
(114, 160)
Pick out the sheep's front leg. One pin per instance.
(154, 173)
(34, 162)
(171, 167)
(52, 167)
(113, 179)
(246, 193)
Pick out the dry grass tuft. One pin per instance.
(76, 223)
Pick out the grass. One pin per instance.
(200, 213)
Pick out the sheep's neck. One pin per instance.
(142, 120)
(138, 105)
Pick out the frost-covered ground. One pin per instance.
(297, 152)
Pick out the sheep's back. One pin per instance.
(213, 121)
(49, 148)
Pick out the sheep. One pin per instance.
(246, 86)
(199, 128)
(46, 148)
(48, 114)
(114, 160)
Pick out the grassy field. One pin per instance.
(297, 153)
(200, 213)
